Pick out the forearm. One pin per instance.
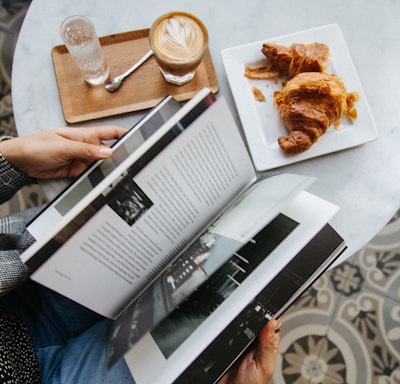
(61, 152)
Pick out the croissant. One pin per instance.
(297, 57)
(308, 104)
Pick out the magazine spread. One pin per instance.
(177, 341)
(176, 236)
(138, 223)
(238, 225)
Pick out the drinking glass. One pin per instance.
(81, 40)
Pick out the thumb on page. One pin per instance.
(268, 346)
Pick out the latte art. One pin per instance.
(179, 38)
(179, 41)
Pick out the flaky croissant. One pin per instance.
(308, 104)
(297, 57)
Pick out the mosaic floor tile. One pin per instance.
(369, 326)
(306, 352)
(311, 358)
(380, 264)
(346, 327)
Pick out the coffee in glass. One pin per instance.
(179, 41)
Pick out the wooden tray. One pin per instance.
(143, 89)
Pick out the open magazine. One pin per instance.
(215, 325)
(178, 205)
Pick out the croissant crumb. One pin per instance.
(264, 72)
(258, 95)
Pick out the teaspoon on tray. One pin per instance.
(116, 82)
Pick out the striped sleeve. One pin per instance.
(14, 239)
(10, 178)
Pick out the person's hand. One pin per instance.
(61, 152)
(258, 364)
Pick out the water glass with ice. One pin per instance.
(81, 40)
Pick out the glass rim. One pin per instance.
(75, 17)
(71, 18)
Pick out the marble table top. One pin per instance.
(364, 181)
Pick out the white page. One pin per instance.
(108, 261)
(312, 214)
(130, 142)
(53, 227)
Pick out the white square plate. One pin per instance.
(261, 122)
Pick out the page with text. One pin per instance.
(141, 222)
(65, 223)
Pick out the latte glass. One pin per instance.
(179, 41)
(81, 40)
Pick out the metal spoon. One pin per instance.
(116, 82)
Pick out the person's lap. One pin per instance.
(69, 339)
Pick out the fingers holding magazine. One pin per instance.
(258, 364)
(60, 152)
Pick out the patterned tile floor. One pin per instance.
(346, 328)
